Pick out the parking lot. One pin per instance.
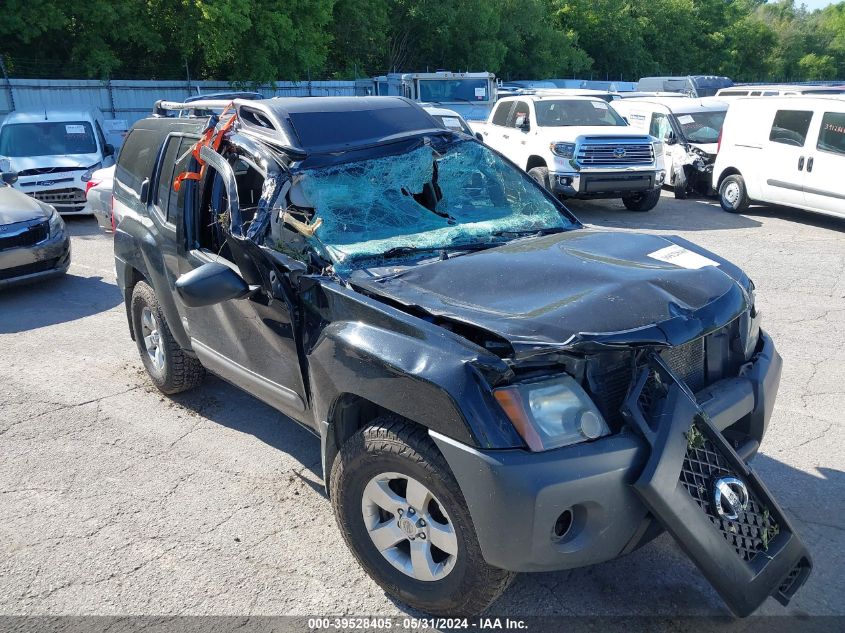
(115, 499)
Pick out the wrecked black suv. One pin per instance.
(496, 389)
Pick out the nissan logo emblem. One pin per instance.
(730, 497)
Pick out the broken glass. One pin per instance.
(423, 199)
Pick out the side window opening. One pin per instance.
(166, 173)
(250, 186)
(790, 127)
(212, 215)
(659, 125)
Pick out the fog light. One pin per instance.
(564, 180)
(562, 525)
(661, 177)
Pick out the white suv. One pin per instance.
(54, 153)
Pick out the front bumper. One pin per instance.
(64, 190)
(605, 184)
(46, 259)
(516, 497)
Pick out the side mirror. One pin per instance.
(145, 190)
(10, 177)
(669, 138)
(108, 150)
(522, 123)
(479, 136)
(210, 284)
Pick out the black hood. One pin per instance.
(16, 206)
(578, 289)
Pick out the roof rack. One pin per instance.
(162, 107)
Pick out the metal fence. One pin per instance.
(132, 100)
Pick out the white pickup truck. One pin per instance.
(577, 147)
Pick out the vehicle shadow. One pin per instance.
(659, 580)
(221, 403)
(54, 301)
(84, 226)
(692, 214)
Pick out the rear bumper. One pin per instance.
(516, 497)
(605, 184)
(50, 258)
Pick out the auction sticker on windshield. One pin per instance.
(682, 257)
(75, 129)
(686, 119)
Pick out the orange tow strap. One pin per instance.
(213, 138)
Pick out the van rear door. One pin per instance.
(823, 189)
(787, 152)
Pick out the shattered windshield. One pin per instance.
(566, 112)
(423, 201)
(702, 127)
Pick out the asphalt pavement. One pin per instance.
(115, 499)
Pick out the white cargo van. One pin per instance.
(54, 153)
(783, 150)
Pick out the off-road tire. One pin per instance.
(680, 191)
(541, 177)
(393, 445)
(180, 372)
(641, 202)
(739, 204)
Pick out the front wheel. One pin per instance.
(644, 201)
(732, 194)
(541, 177)
(167, 364)
(402, 514)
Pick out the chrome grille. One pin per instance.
(615, 154)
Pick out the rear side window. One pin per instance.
(137, 158)
(790, 127)
(832, 133)
(500, 117)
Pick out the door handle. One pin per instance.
(505, 136)
(800, 163)
(810, 164)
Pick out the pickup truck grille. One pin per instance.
(615, 154)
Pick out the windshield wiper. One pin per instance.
(528, 232)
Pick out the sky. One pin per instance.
(814, 4)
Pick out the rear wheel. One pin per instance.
(403, 516)
(644, 201)
(732, 194)
(167, 364)
(541, 176)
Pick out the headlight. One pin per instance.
(57, 225)
(564, 150)
(551, 413)
(658, 149)
(86, 176)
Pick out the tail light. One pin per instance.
(719, 141)
(90, 184)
